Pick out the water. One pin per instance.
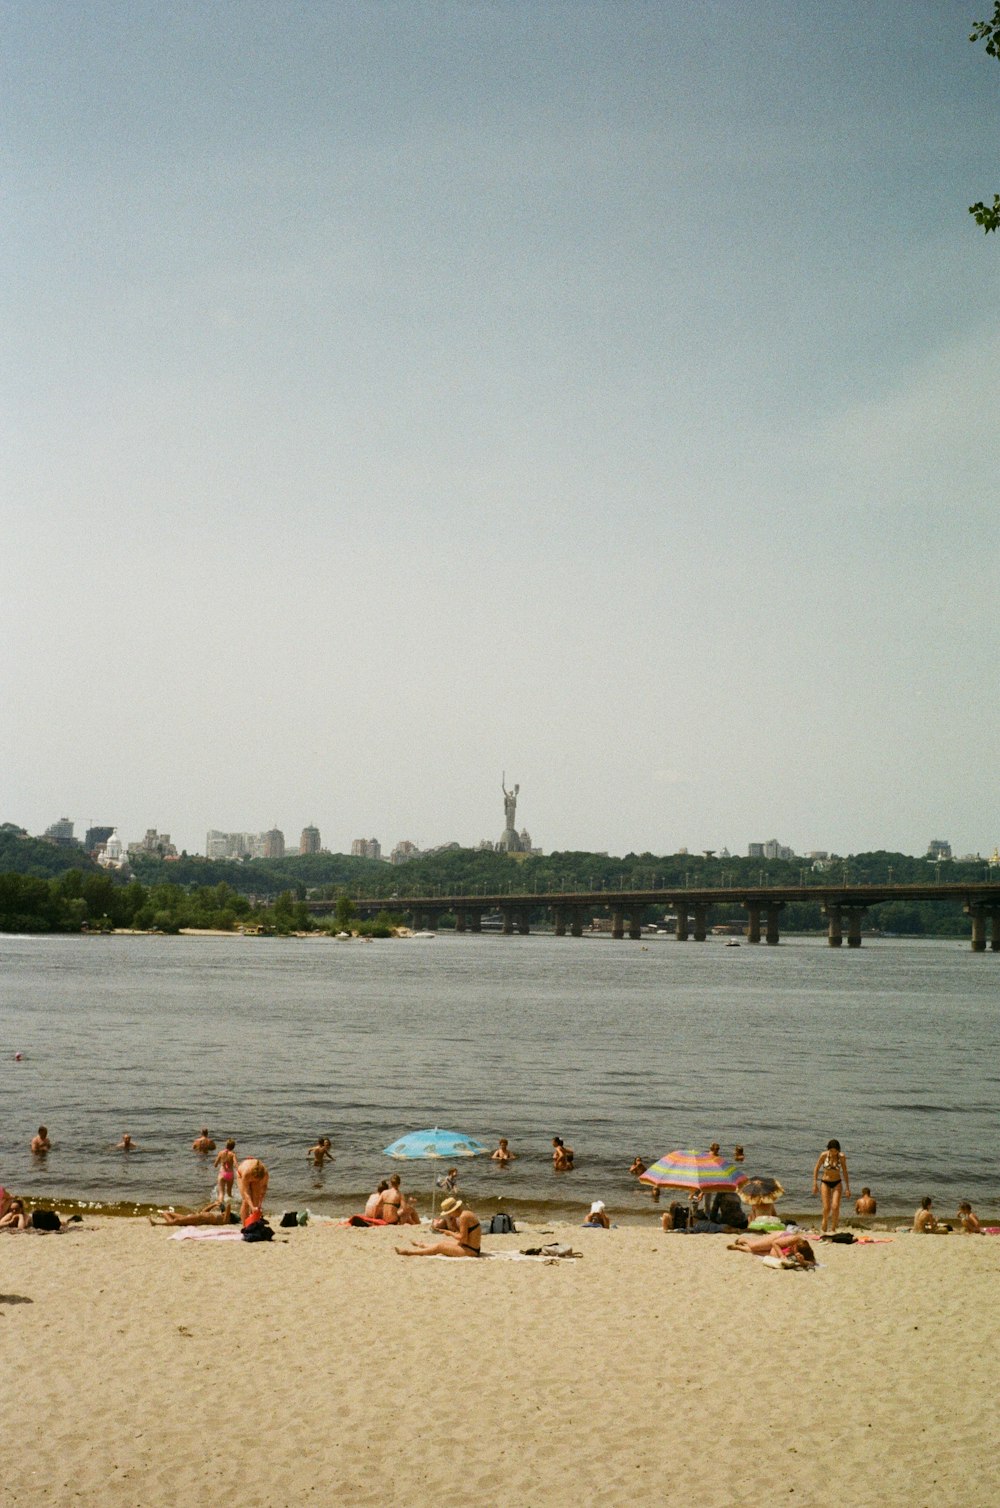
(620, 1048)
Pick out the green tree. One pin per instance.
(988, 215)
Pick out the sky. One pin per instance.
(398, 396)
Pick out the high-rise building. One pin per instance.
(366, 848)
(403, 852)
(274, 844)
(61, 832)
(309, 841)
(96, 837)
(937, 848)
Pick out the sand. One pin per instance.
(322, 1368)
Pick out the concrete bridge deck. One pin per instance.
(843, 905)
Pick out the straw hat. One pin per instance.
(449, 1206)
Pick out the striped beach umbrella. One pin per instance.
(694, 1170)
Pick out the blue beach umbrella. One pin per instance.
(419, 1146)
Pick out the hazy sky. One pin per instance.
(397, 394)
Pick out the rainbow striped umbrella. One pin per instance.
(694, 1170)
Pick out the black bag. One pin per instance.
(501, 1224)
(258, 1230)
(290, 1217)
(842, 1237)
(45, 1220)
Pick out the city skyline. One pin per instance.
(398, 394)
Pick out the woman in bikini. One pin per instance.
(252, 1177)
(466, 1242)
(831, 1171)
(787, 1245)
(226, 1164)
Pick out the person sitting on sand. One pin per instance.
(408, 1213)
(969, 1220)
(503, 1155)
(865, 1205)
(637, 1167)
(216, 1213)
(322, 1152)
(373, 1206)
(252, 1177)
(226, 1164)
(16, 1218)
(203, 1142)
(598, 1216)
(677, 1217)
(447, 1219)
(787, 1245)
(126, 1144)
(924, 1223)
(562, 1156)
(392, 1201)
(40, 1143)
(466, 1242)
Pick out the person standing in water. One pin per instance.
(226, 1177)
(831, 1170)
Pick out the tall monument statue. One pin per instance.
(510, 842)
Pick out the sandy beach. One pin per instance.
(143, 1370)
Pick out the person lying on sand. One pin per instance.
(598, 1215)
(782, 1244)
(216, 1213)
(466, 1242)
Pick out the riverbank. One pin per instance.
(323, 1366)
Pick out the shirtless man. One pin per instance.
(40, 1143)
(923, 1221)
(562, 1156)
(322, 1152)
(252, 1177)
(203, 1142)
(126, 1144)
(865, 1205)
(216, 1213)
(503, 1155)
(466, 1242)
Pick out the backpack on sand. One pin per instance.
(501, 1224)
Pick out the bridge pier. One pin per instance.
(854, 915)
(476, 920)
(559, 920)
(700, 921)
(507, 912)
(977, 916)
(461, 919)
(617, 923)
(576, 921)
(681, 931)
(753, 923)
(773, 914)
(635, 924)
(995, 931)
(522, 921)
(835, 925)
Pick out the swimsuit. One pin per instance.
(472, 1250)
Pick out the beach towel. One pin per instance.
(205, 1233)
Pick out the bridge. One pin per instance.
(844, 907)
